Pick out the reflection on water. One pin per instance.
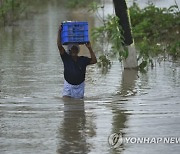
(35, 119)
(72, 133)
(129, 78)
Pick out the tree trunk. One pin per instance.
(131, 61)
(122, 12)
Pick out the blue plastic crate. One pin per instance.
(75, 26)
(75, 39)
(77, 33)
(74, 32)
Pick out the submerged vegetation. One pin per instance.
(156, 33)
(111, 37)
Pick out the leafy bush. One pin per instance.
(156, 30)
(110, 31)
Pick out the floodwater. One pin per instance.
(35, 119)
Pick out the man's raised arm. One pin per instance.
(93, 56)
(60, 47)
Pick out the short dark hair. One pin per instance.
(75, 48)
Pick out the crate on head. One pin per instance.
(74, 32)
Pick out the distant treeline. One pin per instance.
(10, 10)
(13, 10)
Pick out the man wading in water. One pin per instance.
(74, 68)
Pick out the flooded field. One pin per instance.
(35, 119)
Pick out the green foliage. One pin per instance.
(153, 22)
(174, 49)
(111, 32)
(156, 30)
(104, 61)
(94, 6)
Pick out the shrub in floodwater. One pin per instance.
(174, 49)
(104, 62)
(111, 34)
(156, 31)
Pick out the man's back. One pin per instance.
(74, 71)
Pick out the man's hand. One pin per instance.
(60, 47)
(60, 29)
(88, 45)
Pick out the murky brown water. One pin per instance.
(35, 119)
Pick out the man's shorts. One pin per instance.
(74, 91)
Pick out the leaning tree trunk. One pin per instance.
(122, 12)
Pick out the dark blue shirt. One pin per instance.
(74, 71)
